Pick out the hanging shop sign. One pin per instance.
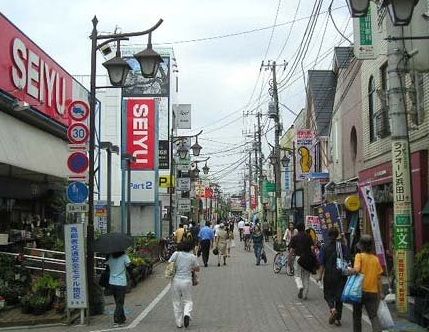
(183, 165)
(184, 205)
(142, 186)
(352, 203)
(372, 211)
(182, 114)
(163, 154)
(304, 153)
(363, 37)
(166, 181)
(74, 245)
(329, 217)
(183, 184)
(100, 216)
(141, 130)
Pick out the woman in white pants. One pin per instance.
(181, 285)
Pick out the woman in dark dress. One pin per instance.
(333, 279)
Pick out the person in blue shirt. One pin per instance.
(118, 263)
(206, 236)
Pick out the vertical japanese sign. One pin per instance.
(362, 28)
(100, 216)
(329, 217)
(304, 153)
(183, 115)
(141, 130)
(375, 226)
(287, 177)
(75, 266)
(163, 154)
(403, 238)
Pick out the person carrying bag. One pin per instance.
(368, 266)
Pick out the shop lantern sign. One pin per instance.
(75, 266)
(304, 153)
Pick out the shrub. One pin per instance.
(421, 267)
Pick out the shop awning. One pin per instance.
(29, 148)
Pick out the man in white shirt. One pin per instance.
(240, 226)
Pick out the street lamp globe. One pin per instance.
(400, 11)
(149, 60)
(285, 161)
(183, 152)
(117, 69)
(196, 149)
(358, 8)
(206, 169)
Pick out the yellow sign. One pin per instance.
(165, 181)
(352, 203)
(401, 281)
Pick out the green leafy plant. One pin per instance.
(46, 284)
(421, 267)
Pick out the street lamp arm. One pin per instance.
(178, 138)
(131, 34)
(201, 161)
(109, 41)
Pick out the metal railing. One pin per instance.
(44, 263)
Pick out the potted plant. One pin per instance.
(26, 304)
(46, 285)
(39, 304)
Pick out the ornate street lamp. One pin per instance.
(206, 169)
(273, 159)
(149, 60)
(285, 161)
(196, 148)
(358, 8)
(197, 172)
(182, 151)
(400, 11)
(117, 68)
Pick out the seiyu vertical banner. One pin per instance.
(141, 132)
(304, 153)
(372, 211)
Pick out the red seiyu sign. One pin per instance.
(30, 75)
(141, 129)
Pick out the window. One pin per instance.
(353, 143)
(371, 109)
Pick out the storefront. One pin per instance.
(380, 178)
(34, 94)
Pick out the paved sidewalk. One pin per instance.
(238, 297)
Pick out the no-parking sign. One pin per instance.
(78, 162)
(78, 133)
(78, 110)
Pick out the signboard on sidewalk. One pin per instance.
(74, 244)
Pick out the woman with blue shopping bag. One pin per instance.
(367, 264)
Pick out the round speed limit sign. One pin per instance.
(78, 133)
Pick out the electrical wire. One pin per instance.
(335, 25)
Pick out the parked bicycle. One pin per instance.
(167, 246)
(284, 259)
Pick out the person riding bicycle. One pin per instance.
(289, 233)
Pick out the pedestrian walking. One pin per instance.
(289, 233)
(368, 264)
(195, 230)
(266, 230)
(118, 263)
(301, 247)
(230, 240)
(247, 235)
(179, 234)
(258, 243)
(240, 226)
(333, 278)
(181, 286)
(206, 237)
(220, 239)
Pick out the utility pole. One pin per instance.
(401, 169)
(260, 161)
(250, 183)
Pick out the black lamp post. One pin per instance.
(196, 148)
(400, 11)
(116, 70)
(206, 169)
(129, 159)
(285, 161)
(109, 147)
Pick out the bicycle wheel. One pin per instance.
(277, 262)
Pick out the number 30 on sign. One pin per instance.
(78, 133)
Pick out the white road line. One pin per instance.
(348, 306)
(142, 315)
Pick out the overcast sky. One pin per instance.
(219, 76)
